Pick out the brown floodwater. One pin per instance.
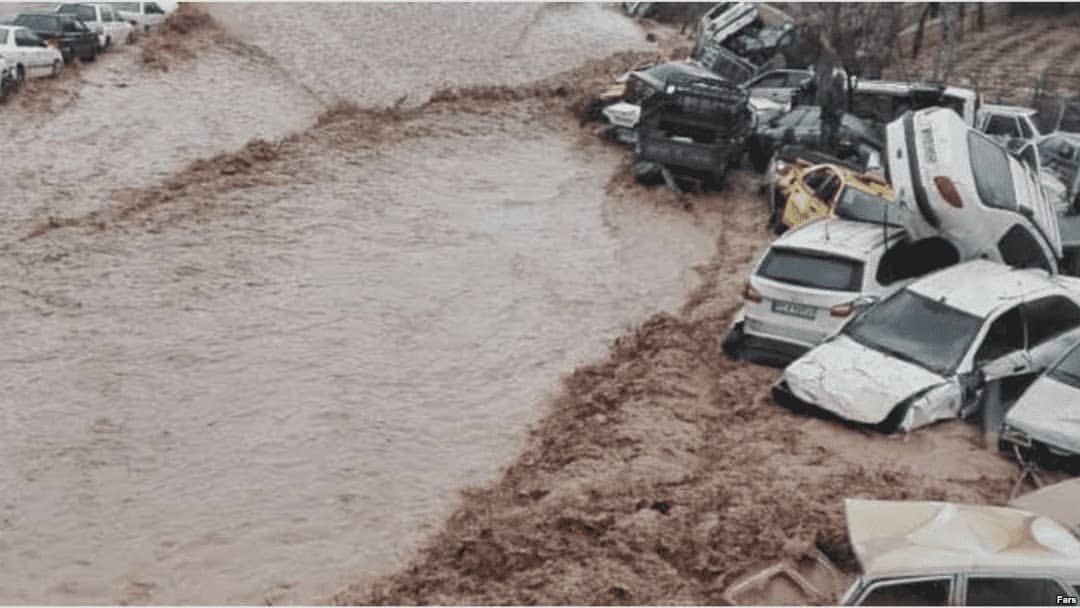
(265, 400)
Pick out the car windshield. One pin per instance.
(918, 330)
(855, 204)
(1068, 369)
(812, 269)
(993, 175)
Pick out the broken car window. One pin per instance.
(917, 593)
(993, 175)
(854, 204)
(1068, 369)
(918, 330)
(1006, 335)
(812, 270)
(1012, 592)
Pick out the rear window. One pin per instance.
(83, 12)
(993, 175)
(41, 23)
(815, 270)
(130, 7)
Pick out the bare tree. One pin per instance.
(944, 60)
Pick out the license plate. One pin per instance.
(794, 310)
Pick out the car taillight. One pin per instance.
(842, 310)
(948, 191)
(751, 294)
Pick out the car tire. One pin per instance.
(57, 67)
(92, 57)
(733, 342)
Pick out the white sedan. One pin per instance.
(27, 55)
(143, 15)
(927, 352)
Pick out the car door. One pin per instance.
(30, 52)
(805, 202)
(1004, 590)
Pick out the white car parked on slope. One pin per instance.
(27, 55)
(143, 15)
(960, 184)
(926, 352)
(103, 20)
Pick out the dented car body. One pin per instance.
(960, 184)
(1046, 418)
(926, 352)
(937, 554)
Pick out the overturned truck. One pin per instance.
(692, 132)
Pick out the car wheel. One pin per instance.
(92, 57)
(733, 342)
(57, 67)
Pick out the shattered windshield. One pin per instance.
(1068, 369)
(818, 271)
(854, 204)
(918, 330)
(993, 175)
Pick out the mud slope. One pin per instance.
(1005, 59)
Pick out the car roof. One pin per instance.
(838, 236)
(979, 287)
(904, 538)
(1058, 502)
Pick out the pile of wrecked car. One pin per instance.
(928, 244)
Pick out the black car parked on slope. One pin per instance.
(65, 32)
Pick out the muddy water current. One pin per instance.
(285, 392)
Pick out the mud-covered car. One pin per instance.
(1045, 421)
(926, 352)
(1059, 155)
(923, 553)
(694, 129)
(859, 143)
(813, 279)
(65, 32)
(960, 184)
(801, 191)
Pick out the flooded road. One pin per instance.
(261, 401)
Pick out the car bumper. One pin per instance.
(761, 350)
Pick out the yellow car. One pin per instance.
(802, 191)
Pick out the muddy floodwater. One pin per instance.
(263, 402)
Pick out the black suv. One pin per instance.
(65, 32)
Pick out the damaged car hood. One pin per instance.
(1049, 411)
(855, 382)
(1058, 502)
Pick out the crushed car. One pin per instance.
(814, 279)
(926, 352)
(801, 190)
(1059, 154)
(692, 132)
(960, 184)
(1005, 122)
(931, 553)
(743, 29)
(859, 144)
(1044, 424)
